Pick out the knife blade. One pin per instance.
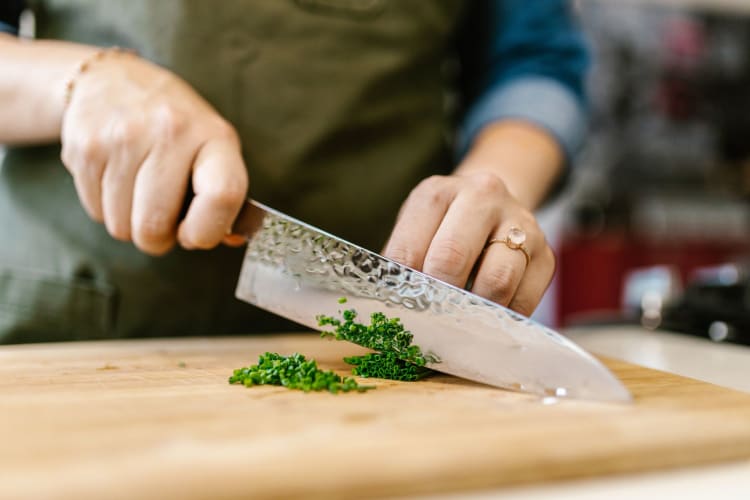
(298, 271)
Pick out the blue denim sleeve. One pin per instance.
(7, 28)
(525, 60)
(10, 11)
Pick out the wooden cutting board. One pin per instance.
(157, 419)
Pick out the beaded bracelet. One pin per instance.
(85, 64)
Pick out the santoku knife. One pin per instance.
(298, 271)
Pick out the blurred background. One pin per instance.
(654, 229)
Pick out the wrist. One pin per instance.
(85, 65)
(524, 156)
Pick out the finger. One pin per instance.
(158, 194)
(499, 273)
(220, 184)
(117, 186)
(88, 181)
(117, 196)
(534, 282)
(127, 151)
(460, 239)
(84, 158)
(418, 220)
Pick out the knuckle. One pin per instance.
(91, 151)
(404, 255)
(448, 257)
(85, 151)
(124, 133)
(201, 234)
(118, 230)
(430, 185)
(227, 195)
(488, 183)
(157, 250)
(203, 241)
(170, 122)
(523, 306)
(499, 283)
(154, 228)
(432, 182)
(225, 131)
(431, 190)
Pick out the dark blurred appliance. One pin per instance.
(715, 305)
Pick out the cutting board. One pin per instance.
(157, 419)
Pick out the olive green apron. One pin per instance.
(341, 108)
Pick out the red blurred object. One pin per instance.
(591, 271)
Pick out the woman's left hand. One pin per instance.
(452, 226)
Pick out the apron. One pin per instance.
(341, 107)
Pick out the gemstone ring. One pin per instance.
(514, 240)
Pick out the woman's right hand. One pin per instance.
(133, 136)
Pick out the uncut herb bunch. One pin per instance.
(293, 372)
(397, 358)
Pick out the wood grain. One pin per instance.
(157, 419)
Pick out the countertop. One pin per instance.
(137, 417)
(722, 364)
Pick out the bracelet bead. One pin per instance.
(85, 64)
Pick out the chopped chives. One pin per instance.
(293, 372)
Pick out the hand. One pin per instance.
(133, 136)
(445, 225)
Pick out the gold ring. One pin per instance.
(514, 240)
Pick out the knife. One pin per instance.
(298, 271)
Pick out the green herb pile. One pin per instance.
(396, 359)
(382, 334)
(293, 372)
(386, 365)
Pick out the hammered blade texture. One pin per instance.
(320, 260)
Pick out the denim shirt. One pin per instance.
(521, 60)
(525, 60)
